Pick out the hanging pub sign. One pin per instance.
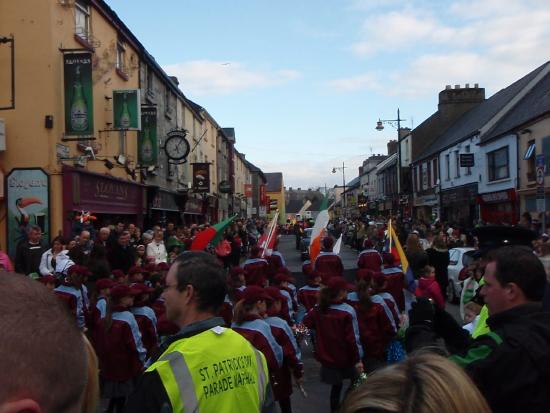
(147, 140)
(126, 109)
(224, 187)
(263, 195)
(248, 190)
(201, 177)
(28, 203)
(79, 119)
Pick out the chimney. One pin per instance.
(360, 170)
(392, 147)
(452, 101)
(174, 80)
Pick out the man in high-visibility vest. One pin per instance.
(205, 367)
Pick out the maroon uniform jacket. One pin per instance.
(395, 282)
(120, 350)
(328, 264)
(308, 296)
(370, 259)
(282, 380)
(337, 341)
(147, 323)
(256, 271)
(259, 334)
(375, 330)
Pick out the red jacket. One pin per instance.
(337, 341)
(259, 334)
(275, 264)
(165, 327)
(226, 311)
(147, 323)
(256, 271)
(375, 330)
(282, 380)
(120, 350)
(370, 259)
(328, 264)
(429, 288)
(395, 283)
(308, 296)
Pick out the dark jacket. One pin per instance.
(511, 365)
(121, 258)
(27, 257)
(440, 261)
(417, 261)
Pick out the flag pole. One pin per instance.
(390, 233)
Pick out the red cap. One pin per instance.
(364, 274)
(339, 283)
(282, 277)
(255, 293)
(150, 267)
(368, 244)
(307, 267)
(275, 294)
(47, 279)
(136, 270)
(77, 269)
(103, 283)
(142, 288)
(118, 273)
(122, 290)
(162, 266)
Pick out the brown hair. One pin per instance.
(326, 298)
(413, 244)
(241, 310)
(47, 359)
(423, 383)
(365, 301)
(427, 270)
(439, 243)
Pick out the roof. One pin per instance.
(353, 183)
(293, 206)
(535, 103)
(472, 121)
(386, 163)
(253, 168)
(274, 181)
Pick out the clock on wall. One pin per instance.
(176, 145)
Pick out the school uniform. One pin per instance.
(328, 264)
(370, 259)
(308, 296)
(147, 323)
(256, 271)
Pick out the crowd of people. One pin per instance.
(230, 323)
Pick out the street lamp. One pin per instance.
(342, 168)
(380, 127)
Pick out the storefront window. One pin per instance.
(497, 162)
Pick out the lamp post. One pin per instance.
(380, 127)
(342, 168)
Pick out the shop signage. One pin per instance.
(425, 200)
(466, 160)
(165, 201)
(79, 108)
(28, 203)
(248, 190)
(225, 187)
(496, 197)
(262, 195)
(147, 138)
(201, 177)
(126, 109)
(193, 206)
(62, 151)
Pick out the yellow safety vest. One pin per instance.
(217, 370)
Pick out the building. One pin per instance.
(243, 185)
(258, 204)
(275, 191)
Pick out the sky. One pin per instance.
(303, 82)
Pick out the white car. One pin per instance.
(458, 259)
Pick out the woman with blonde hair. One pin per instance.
(423, 383)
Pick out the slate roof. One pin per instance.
(274, 181)
(534, 104)
(254, 168)
(353, 184)
(293, 206)
(471, 122)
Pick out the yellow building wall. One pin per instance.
(41, 28)
(280, 197)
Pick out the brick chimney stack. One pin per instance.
(460, 99)
(392, 147)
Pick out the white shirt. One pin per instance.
(157, 250)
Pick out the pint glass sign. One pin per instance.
(126, 109)
(27, 192)
(79, 118)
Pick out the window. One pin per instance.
(429, 183)
(530, 157)
(121, 60)
(457, 163)
(497, 163)
(435, 172)
(468, 169)
(415, 186)
(448, 167)
(150, 88)
(82, 19)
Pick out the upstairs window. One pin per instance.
(530, 158)
(82, 19)
(457, 164)
(448, 167)
(468, 169)
(121, 68)
(497, 164)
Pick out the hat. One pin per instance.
(364, 274)
(150, 267)
(275, 294)
(307, 267)
(103, 283)
(77, 269)
(63, 263)
(47, 279)
(338, 283)
(136, 270)
(368, 244)
(141, 288)
(118, 273)
(313, 275)
(255, 293)
(282, 277)
(162, 266)
(122, 290)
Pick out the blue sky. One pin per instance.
(304, 82)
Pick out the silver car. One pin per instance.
(458, 259)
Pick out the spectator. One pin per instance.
(429, 288)
(29, 253)
(103, 237)
(80, 253)
(156, 251)
(40, 342)
(5, 262)
(438, 257)
(122, 255)
(417, 257)
(47, 262)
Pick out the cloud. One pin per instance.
(355, 83)
(208, 77)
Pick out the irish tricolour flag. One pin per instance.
(318, 231)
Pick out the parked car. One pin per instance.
(459, 259)
(304, 244)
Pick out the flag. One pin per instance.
(211, 235)
(337, 246)
(267, 240)
(395, 248)
(318, 231)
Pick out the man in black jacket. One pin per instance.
(511, 364)
(29, 253)
(122, 256)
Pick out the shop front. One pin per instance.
(212, 209)
(459, 206)
(500, 207)
(426, 207)
(164, 207)
(108, 199)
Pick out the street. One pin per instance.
(318, 393)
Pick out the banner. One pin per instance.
(201, 177)
(79, 108)
(147, 139)
(262, 195)
(126, 109)
(27, 192)
(248, 190)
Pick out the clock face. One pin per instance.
(177, 147)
